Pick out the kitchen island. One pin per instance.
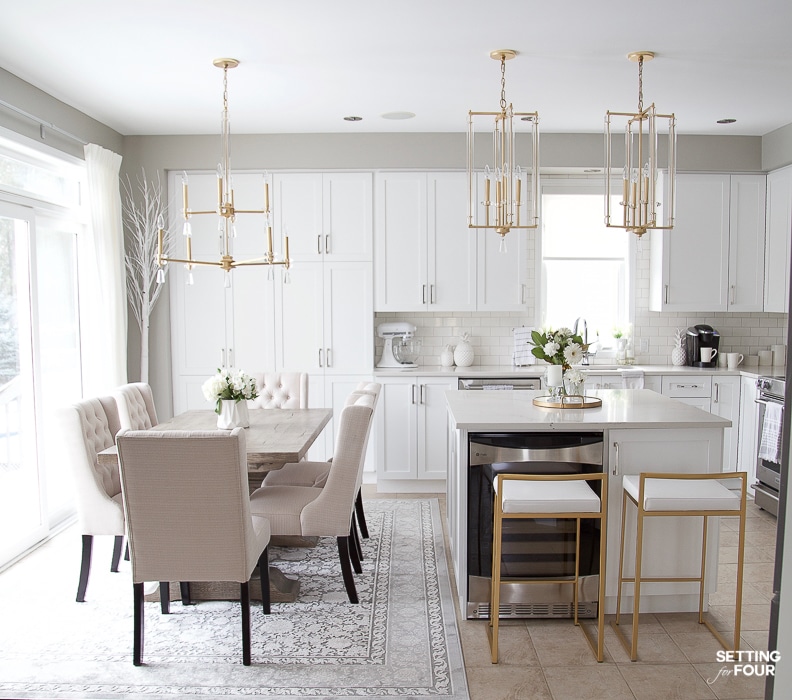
(641, 431)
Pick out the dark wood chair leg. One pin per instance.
(355, 552)
(361, 516)
(137, 648)
(126, 552)
(165, 597)
(85, 567)
(184, 587)
(263, 564)
(244, 600)
(346, 568)
(118, 545)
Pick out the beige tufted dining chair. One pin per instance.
(87, 428)
(306, 511)
(136, 406)
(281, 390)
(188, 515)
(315, 473)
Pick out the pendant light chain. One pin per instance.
(503, 83)
(640, 84)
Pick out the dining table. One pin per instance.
(274, 438)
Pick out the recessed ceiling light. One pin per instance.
(398, 115)
(353, 119)
(726, 121)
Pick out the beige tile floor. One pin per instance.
(550, 659)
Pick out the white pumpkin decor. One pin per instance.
(463, 353)
(447, 356)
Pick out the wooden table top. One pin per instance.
(275, 436)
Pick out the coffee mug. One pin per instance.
(765, 357)
(733, 359)
(708, 354)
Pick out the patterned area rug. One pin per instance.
(400, 640)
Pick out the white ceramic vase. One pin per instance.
(447, 356)
(233, 414)
(463, 353)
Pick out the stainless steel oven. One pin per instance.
(769, 472)
(536, 549)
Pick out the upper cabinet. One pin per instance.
(424, 253)
(713, 259)
(779, 232)
(327, 216)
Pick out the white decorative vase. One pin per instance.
(233, 414)
(463, 352)
(679, 353)
(447, 356)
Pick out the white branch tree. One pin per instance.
(143, 211)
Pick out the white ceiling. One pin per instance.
(145, 66)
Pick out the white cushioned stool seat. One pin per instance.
(549, 497)
(682, 494)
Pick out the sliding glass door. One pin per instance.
(39, 371)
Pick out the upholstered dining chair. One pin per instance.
(88, 427)
(325, 512)
(315, 473)
(185, 495)
(280, 390)
(136, 406)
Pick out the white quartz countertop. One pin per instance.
(500, 372)
(621, 408)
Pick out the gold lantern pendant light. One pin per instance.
(504, 195)
(225, 209)
(649, 171)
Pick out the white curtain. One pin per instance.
(103, 277)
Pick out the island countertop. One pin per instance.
(621, 408)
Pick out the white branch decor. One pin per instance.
(144, 214)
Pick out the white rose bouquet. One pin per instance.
(561, 347)
(229, 385)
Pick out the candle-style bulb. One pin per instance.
(160, 276)
(187, 229)
(190, 280)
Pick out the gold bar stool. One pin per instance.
(564, 496)
(680, 495)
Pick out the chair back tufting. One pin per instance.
(136, 406)
(281, 390)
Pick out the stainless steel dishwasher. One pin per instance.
(522, 383)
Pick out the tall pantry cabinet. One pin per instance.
(315, 318)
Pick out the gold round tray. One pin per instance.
(574, 401)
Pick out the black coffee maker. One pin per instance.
(701, 336)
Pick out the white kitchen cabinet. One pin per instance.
(713, 259)
(213, 326)
(749, 430)
(324, 319)
(412, 431)
(424, 253)
(725, 402)
(327, 216)
(672, 546)
(321, 322)
(779, 234)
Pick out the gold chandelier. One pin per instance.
(510, 192)
(225, 208)
(642, 185)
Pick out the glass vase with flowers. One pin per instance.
(560, 349)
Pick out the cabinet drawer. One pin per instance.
(687, 387)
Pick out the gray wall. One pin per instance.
(777, 148)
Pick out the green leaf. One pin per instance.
(537, 338)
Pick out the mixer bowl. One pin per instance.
(406, 351)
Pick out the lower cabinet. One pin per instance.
(749, 430)
(412, 433)
(672, 450)
(725, 402)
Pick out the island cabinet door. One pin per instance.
(672, 546)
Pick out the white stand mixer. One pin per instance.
(403, 353)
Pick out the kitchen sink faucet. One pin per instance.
(584, 335)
